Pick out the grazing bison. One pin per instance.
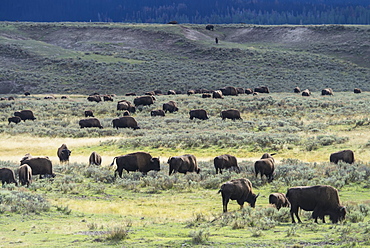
(306, 92)
(25, 175)
(63, 154)
(225, 161)
(137, 161)
(108, 98)
(25, 115)
(239, 190)
(262, 89)
(89, 113)
(265, 166)
(130, 94)
(198, 113)
(171, 92)
(157, 92)
(40, 165)
(327, 92)
(15, 119)
(206, 95)
(297, 90)
(91, 122)
(248, 91)
(240, 90)
(190, 92)
(232, 114)
(229, 91)
(217, 94)
(158, 112)
(125, 121)
(170, 107)
(126, 105)
(95, 159)
(357, 90)
(279, 200)
(210, 27)
(144, 100)
(346, 156)
(94, 98)
(322, 200)
(183, 164)
(7, 176)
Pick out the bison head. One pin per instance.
(155, 164)
(252, 201)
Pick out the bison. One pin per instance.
(346, 156)
(297, 90)
(239, 190)
(25, 175)
(321, 199)
(91, 122)
(25, 115)
(210, 27)
(108, 98)
(327, 92)
(40, 165)
(89, 113)
(170, 107)
(232, 114)
(225, 161)
(125, 122)
(171, 92)
(262, 89)
(95, 159)
(158, 112)
(15, 119)
(229, 91)
(7, 176)
(183, 164)
(217, 94)
(63, 153)
(357, 90)
(279, 200)
(94, 98)
(137, 161)
(190, 92)
(144, 100)
(248, 91)
(206, 95)
(126, 105)
(265, 166)
(306, 92)
(198, 113)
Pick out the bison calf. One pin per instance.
(25, 175)
(7, 176)
(279, 200)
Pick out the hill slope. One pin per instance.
(120, 58)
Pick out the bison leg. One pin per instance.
(225, 201)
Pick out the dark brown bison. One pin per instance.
(11, 98)
(229, 91)
(130, 94)
(171, 92)
(144, 100)
(149, 93)
(27, 93)
(346, 156)
(89, 113)
(279, 200)
(262, 89)
(15, 119)
(25, 115)
(137, 161)
(157, 92)
(172, 22)
(327, 92)
(206, 95)
(108, 98)
(199, 114)
(297, 90)
(357, 90)
(125, 122)
(40, 165)
(91, 122)
(158, 112)
(240, 90)
(126, 105)
(210, 27)
(125, 113)
(217, 94)
(95, 159)
(170, 106)
(63, 154)
(306, 92)
(183, 164)
(94, 98)
(322, 200)
(248, 91)
(25, 175)
(225, 161)
(64, 97)
(232, 114)
(265, 166)
(7, 176)
(190, 92)
(239, 190)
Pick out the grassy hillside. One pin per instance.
(82, 58)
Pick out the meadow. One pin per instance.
(86, 206)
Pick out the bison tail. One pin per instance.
(219, 191)
(115, 158)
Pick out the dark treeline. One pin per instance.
(190, 11)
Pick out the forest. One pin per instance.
(264, 12)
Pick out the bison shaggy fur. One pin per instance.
(95, 159)
(25, 175)
(225, 161)
(265, 166)
(170, 107)
(63, 153)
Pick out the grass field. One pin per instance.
(85, 206)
